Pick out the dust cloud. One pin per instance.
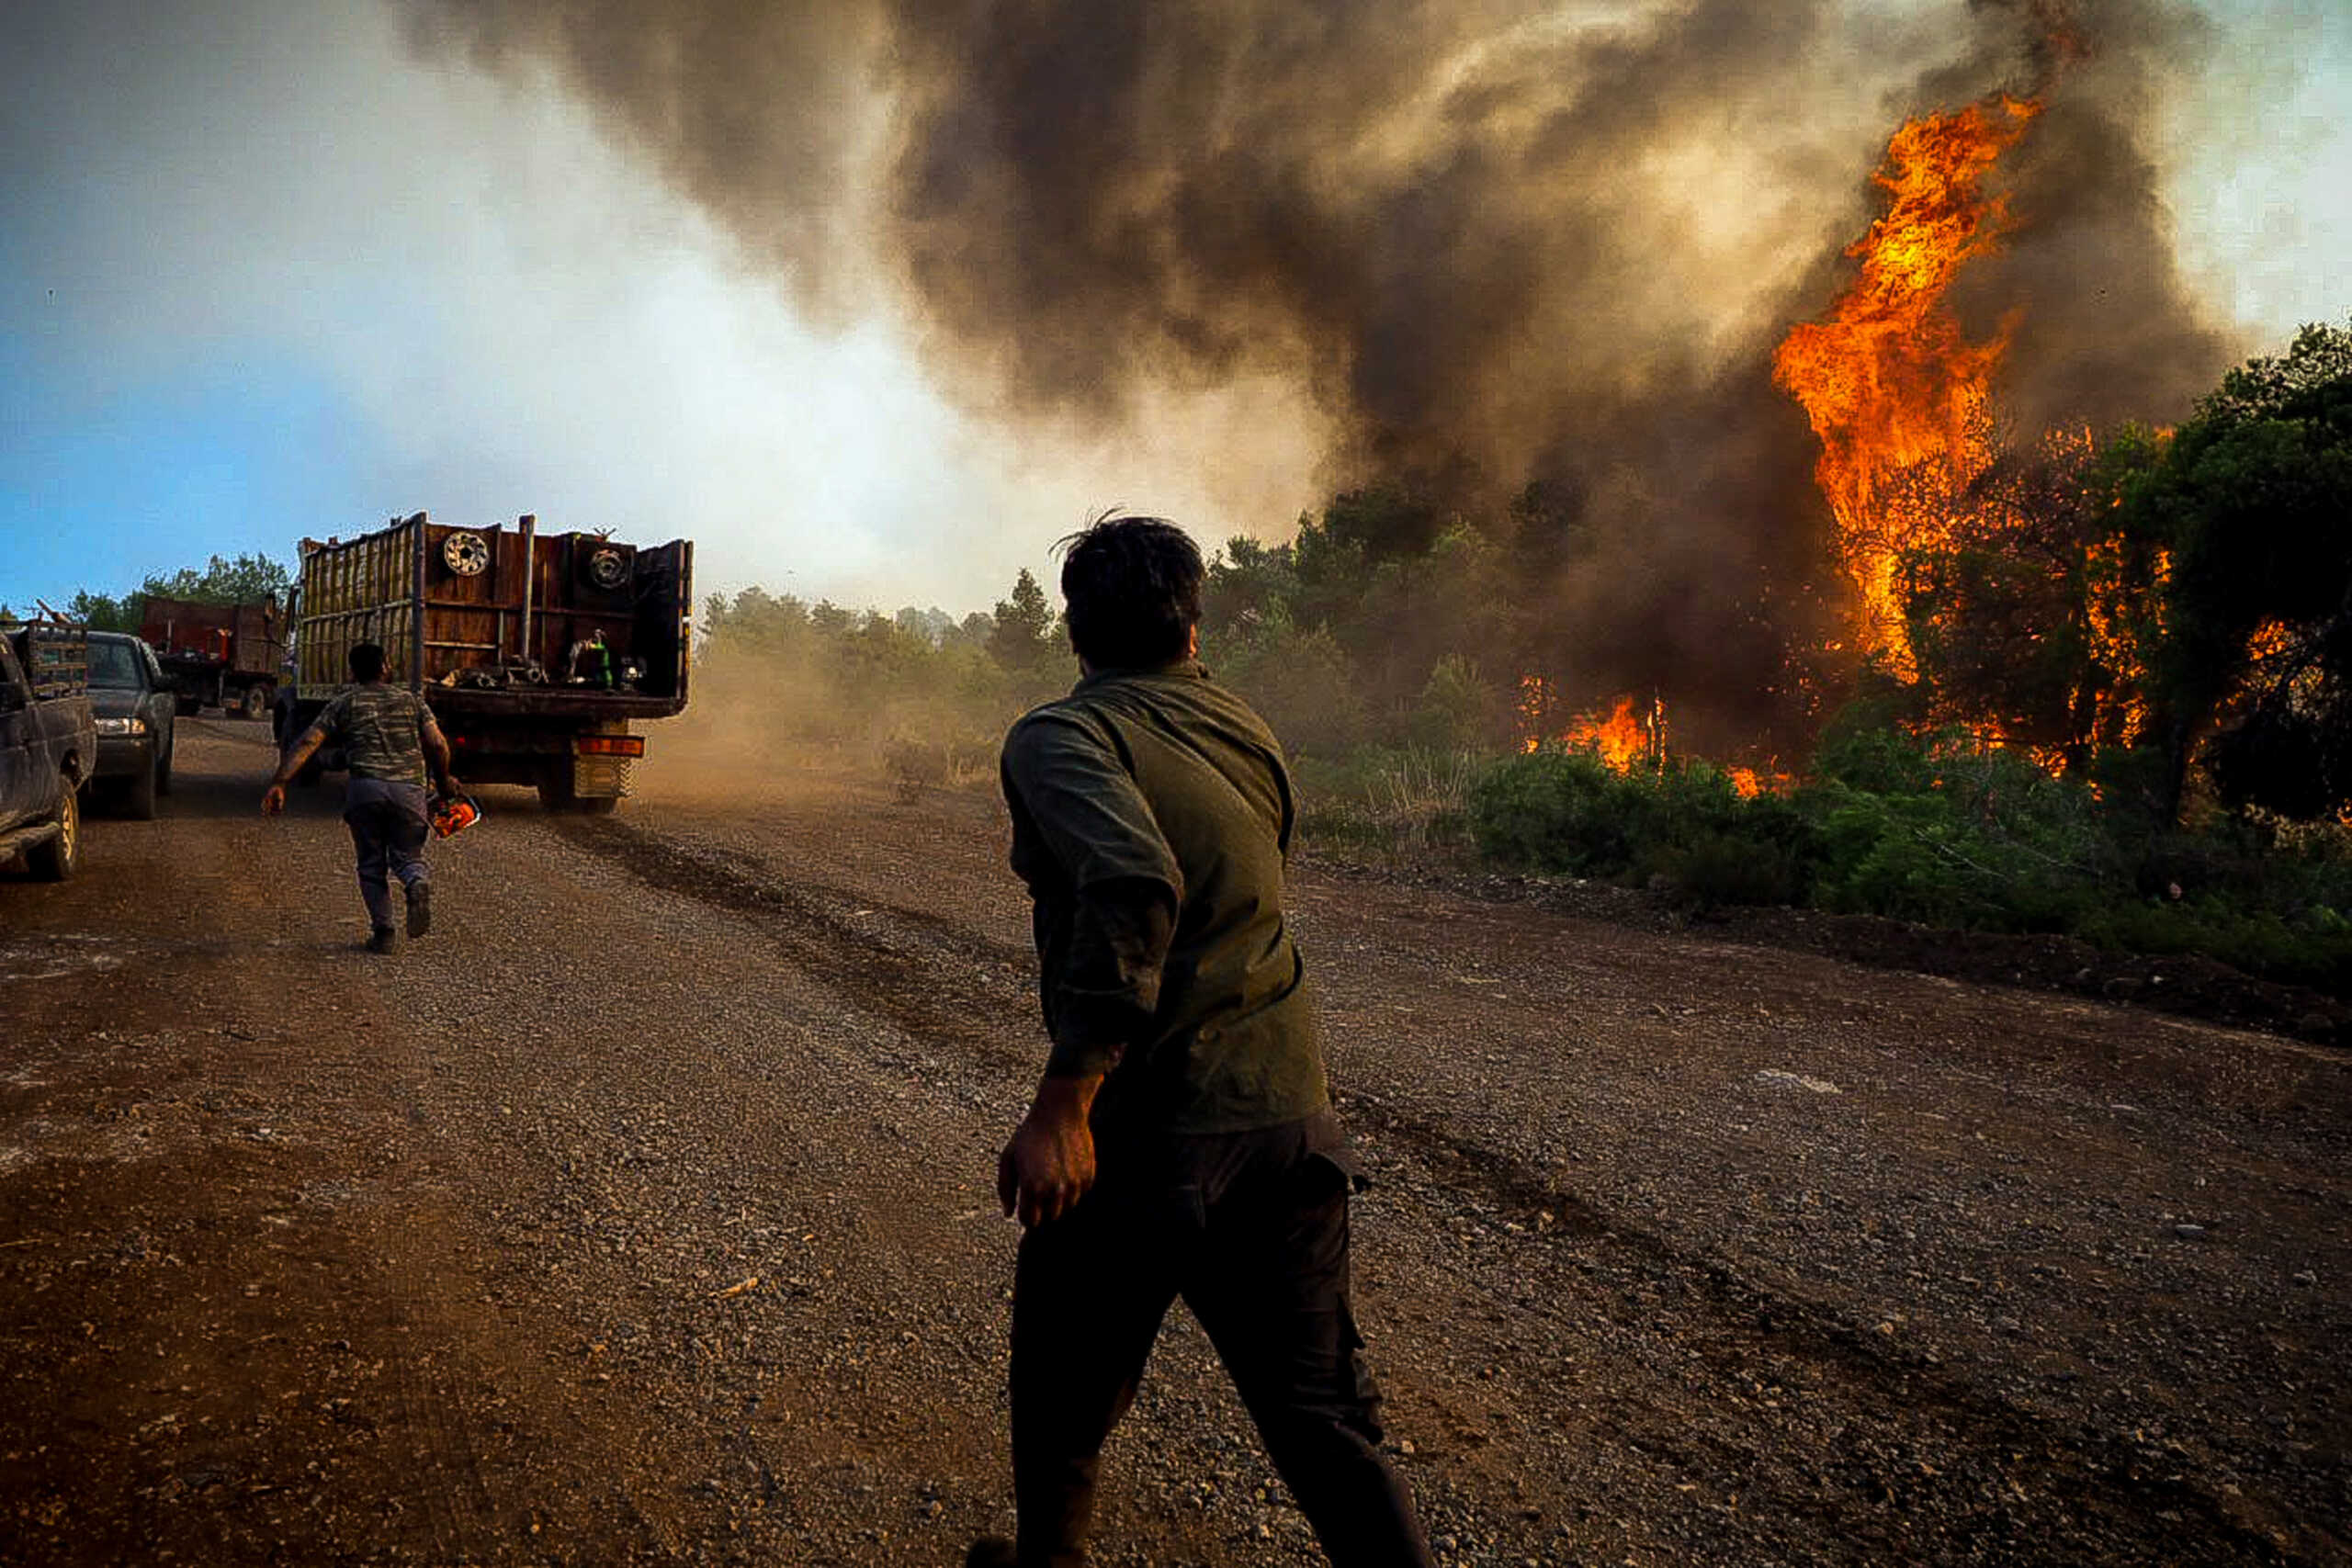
(1486, 242)
(800, 719)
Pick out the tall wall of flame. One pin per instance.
(1491, 241)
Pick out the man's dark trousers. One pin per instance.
(387, 829)
(1251, 1230)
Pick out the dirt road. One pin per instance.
(641, 1214)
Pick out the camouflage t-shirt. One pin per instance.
(381, 730)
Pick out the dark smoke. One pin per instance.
(1495, 243)
(2107, 329)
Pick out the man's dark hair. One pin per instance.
(1133, 588)
(366, 659)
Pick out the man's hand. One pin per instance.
(449, 787)
(1049, 1164)
(273, 799)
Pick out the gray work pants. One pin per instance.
(387, 829)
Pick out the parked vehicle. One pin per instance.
(538, 651)
(49, 743)
(225, 656)
(135, 703)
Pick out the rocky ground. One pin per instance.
(641, 1214)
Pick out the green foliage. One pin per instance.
(1386, 620)
(248, 579)
(1386, 800)
(1458, 709)
(1024, 635)
(1568, 811)
(919, 692)
(1942, 831)
(102, 612)
(2251, 496)
(1301, 682)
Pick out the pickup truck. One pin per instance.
(49, 745)
(135, 702)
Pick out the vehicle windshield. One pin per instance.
(114, 663)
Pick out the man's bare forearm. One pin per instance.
(304, 750)
(436, 751)
(1066, 1094)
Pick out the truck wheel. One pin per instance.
(139, 794)
(182, 703)
(255, 702)
(55, 860)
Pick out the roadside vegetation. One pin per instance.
(246, 579)
(2128, 718)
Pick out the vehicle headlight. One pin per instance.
(122, 727)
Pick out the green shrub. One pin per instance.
(1386, 798)
(1567, 812)
(1942, 831)
(1720, 868)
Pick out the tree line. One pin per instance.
(247, 578)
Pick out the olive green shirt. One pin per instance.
(1151, 820)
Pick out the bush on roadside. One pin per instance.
(1940, 831)
(1385, 799)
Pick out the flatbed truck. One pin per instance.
(539, 652)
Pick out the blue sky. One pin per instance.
(264, 273)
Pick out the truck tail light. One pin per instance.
(609, 746)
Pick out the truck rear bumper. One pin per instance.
(577, 763)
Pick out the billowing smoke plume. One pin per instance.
(2107, 329)
(1495, 241)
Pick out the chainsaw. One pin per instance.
(452, 815)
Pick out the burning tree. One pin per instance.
(2083, 593)
(1899, 395)
(2253, 498)
(2033, 614)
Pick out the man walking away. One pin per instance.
(1181, 1142)
(387, 736)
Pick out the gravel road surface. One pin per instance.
(641, 1214)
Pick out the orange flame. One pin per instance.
(1749, 783)
(1618, 740)
(1895, 391)
(1626, 737)
(1623, 738)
